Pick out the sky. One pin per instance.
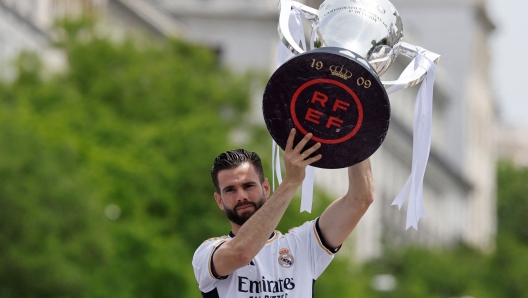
(509, 48)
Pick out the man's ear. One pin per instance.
(218, 200)
(267, 187)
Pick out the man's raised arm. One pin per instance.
(342, 216)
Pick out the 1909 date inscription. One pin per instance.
(341, 72)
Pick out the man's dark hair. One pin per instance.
(232, 159)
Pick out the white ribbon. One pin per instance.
(275, 163)
(297, 32)
(423, 114)
(307, 190)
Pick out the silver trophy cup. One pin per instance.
(371, 28)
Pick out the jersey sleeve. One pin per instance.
(203, 265)
(308, 237)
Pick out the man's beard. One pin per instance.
(233, 216)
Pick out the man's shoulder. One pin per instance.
(212, 242)
(208, 246)
(215, 239)
(307, 225)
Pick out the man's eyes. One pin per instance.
(246, 186)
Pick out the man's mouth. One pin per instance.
(244, 207)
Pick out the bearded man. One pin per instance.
(255, 260)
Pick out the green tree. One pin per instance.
(52, 231)
(129, 124)
(510, 260)
(512, 205)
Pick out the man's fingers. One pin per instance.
(302, 142)
(295, 161)
(295, 153)
(289, 142)
(311, 160)
(310, 150)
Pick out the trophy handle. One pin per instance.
(284, 16)
(409, 50)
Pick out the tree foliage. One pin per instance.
(128, 124)
(513, 202)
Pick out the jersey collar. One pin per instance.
(233, 235)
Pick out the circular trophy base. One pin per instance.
(334, 94)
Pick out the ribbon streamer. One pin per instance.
(275, 163)
(307, 190)
(423, 114)
(297, 32)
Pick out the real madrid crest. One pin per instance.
(286, 260)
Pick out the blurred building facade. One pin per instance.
(459, 188)
(460, 31)
(25, 25)
(513, 145)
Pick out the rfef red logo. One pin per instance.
(336, 114)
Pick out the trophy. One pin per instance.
(334, 90)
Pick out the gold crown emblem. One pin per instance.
(340, 71)
(284, 251)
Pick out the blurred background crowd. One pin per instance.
(112, 111)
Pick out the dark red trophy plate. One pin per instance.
(334, 94)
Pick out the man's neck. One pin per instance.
(234, 228)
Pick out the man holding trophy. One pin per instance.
(326, 108)
(257, 261)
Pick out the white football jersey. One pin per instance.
(286, 267)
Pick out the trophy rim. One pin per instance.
(277, 107)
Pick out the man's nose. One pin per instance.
(242, 195)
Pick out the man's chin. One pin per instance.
(246, 214)
(240, 216)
